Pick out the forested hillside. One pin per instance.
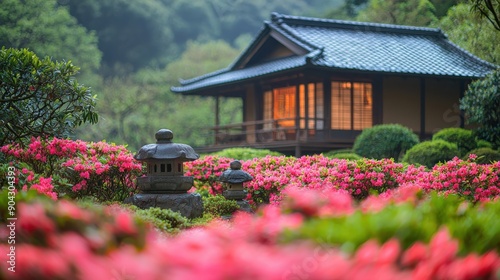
(131, 52)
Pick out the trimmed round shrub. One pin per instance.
(245, 153)
(217, 205)
(484, 155)
(464, 138)
(484, 144)
(163, 219)
(429, 153)
(385, 141)
(338, 151)
(348, 156)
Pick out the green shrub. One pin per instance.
(481, 104)
(245, 153)
(348, 156)
(476, 228)
(464, 138)
(385, 141)
(429, 153)
(484, 155)
(219, 206)
(163, 219)
(484, 144)
(40, 97)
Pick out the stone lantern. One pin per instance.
(164, 184)
(233, 180)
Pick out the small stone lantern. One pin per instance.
(233, 180)
(165, 185)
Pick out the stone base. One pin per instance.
(235, 194)
(244, 206)
(189, 205)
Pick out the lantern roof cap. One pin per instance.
(164, 148)
(235, 175)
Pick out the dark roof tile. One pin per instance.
(359, 46)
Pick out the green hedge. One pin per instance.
(348, 156)
(464, 138)
(245, 153)
(385, 141)
(163, 219)
(485, 155)
(429, 153)
(219, 206)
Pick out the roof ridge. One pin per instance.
(290, 33)
(281, 19)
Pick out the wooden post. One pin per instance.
(217, 119)
(422, 108)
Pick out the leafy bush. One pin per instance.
(337, 151)
(464, 138)
(484, 144)
(348, 156)
(481, 104)
(273, 174)
(485, 155)
(429, 153)
(245, 153)
(217, 205)
(163, 219)
(342, 154)
(475, 228)
(40, 97)
(75, 168)
(401, 233)
(466, 178)
(385, 141)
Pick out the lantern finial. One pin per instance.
(164, 136)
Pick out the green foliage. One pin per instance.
(218, 205)
(349, 10)
(489, 9)
(442, 7)
(133, 107)
(429, 153)
(481, 104)
(484, 144)
(471, 32)
(484, 155)
(48, 30)
(343, 155)
(131, 34)
(245, 153)
(163, 219)
(40, 97)
(156, 32)
(464, 138)
(385, 141)
(413, 12)
(476, 228)
(348, 156)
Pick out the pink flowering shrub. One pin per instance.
(25, 179)
(317, 203)
(471, 180)
(76, 168)
(206, 172)
(61, 240)
(273, 174)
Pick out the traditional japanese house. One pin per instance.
(310, 85)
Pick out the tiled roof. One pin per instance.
(227, 75)
(358, 46)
